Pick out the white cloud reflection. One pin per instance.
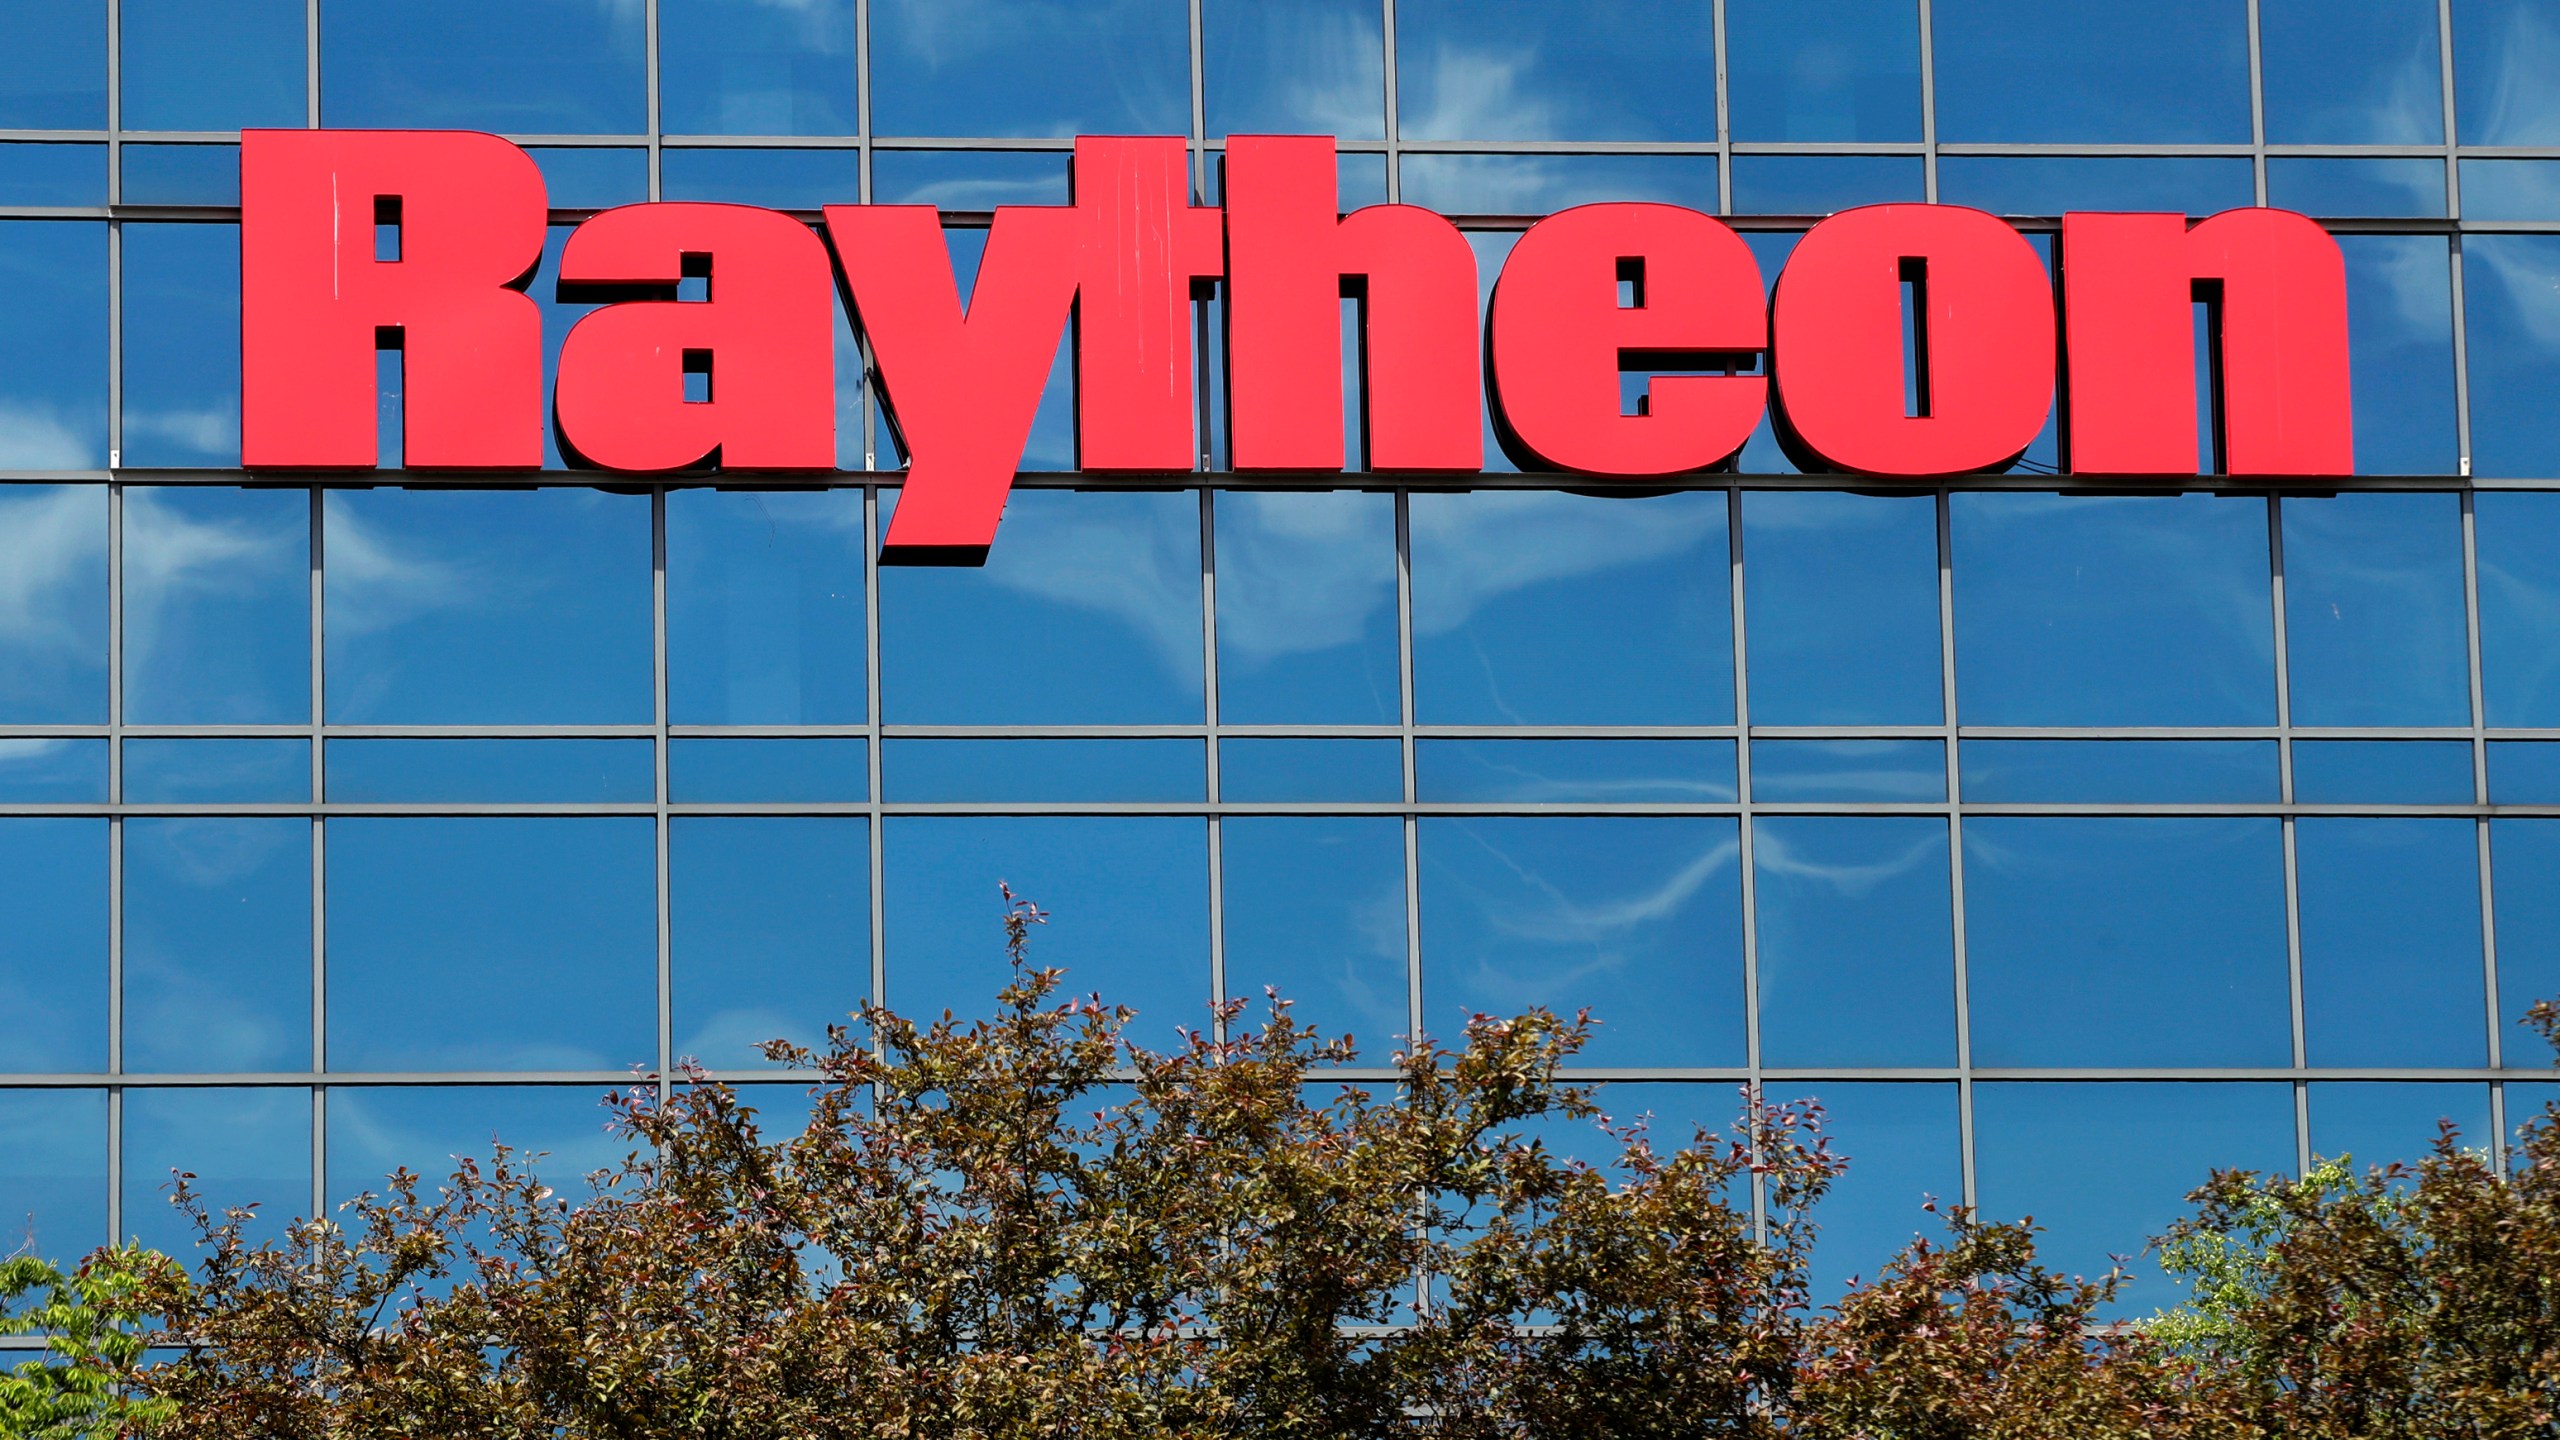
(53, 556)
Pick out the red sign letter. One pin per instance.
(1982, 309)
(960, 390)
(761, 338)
(1143, 241)
(316, 301)
(2278, 290)
(1600, 290)
(1290, 261)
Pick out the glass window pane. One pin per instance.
(765, 607)
(1315, 67)
(217, 944)
(53, 71)
(822, 771)
(1526, 70)
(2120, 772)
(1551, 772)
(1821, 184)
(2327, 186)
(53, 1168)
(182, 174)
(1024, 67)
(560, 772)
(1315, 910)
(1279, 770)
(2524, 865)
(582, 176)
(2400, 304)
(1857, 940)
(211, 64)
(2352, 72)
(2391, 968)
(1307, 608)
(740, 67)
(2519, 557)
(1522, 601)
(1854, 76)
(793, 179)
(488, 607)
(47, 174)
(2053, 184)
(1905, 1148)
(2510, 190)
(2105, 1168)
(53, 971)
(2504, 54)
(243, 1146)
(376, 1129)
(217, 605)
(541, 67)
(2113, 610)
(210, 772)
(52, 771)
(1086, 612)
(492, 944)
(2176, 70)
(1638, 918)
(2376, 1123)
(969, 180)
(2375, 632)
(1037, 771)
(2382, 772)
(1841, 600)
(2524, 772)
(182, 345)
(2511, 309)
(772, 932)
(1543, 184)
(2172, 930)
(53, 371)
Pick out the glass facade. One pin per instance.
(2064, 842)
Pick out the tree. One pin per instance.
(79, 1390)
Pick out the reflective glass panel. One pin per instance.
(765, 607)
(2053, 184)
(243, 1146)
(1821, 184)
(772, 931)
(1551, 772)
(2504, 55)
(2510, 190)
(1525, 70)
(488, 607)
(2374, 625)
(2165, 937)
(182, 345)
(1834, 770)
(182, 174)
(53, 972)
(1087, 611)
(1841, 600)
(1314, 67)
(1127, 898)
(1522, 602)
(792, 179)
(1854, 76)
(217, 605)
(1029, 67)
(1638, 918)
(740, 67)
(2352, 72)
(1315, 910)
(1282, 770)
(53, 1168)
(2400, 311)
(2519, 557)
(2113, 610)
(1904, 1149)
(2524, 772)
(969, 180)
(376, 1129)
(561, 772)
(2106, 1167)
(2380, 1123)
(588, 176)
(2382, 772)
(205, 772)
(492, 944)
(2322, 185)
(53, 71)
(1545, 183)
(1307, 608)
(53, 371)
(217, 943)
(2175, 70)
(1043, 770)
(53, 771)
(2511, 308)
(817, 771)
(2391, 968)
(2524, 863)
(44, 174)
(211, 64)
(542, 67)
(1857, 940)
(2120, 772)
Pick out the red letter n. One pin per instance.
(2277, 288)
(317, 300)
(1290, 262)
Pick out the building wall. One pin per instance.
(2065, 844)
